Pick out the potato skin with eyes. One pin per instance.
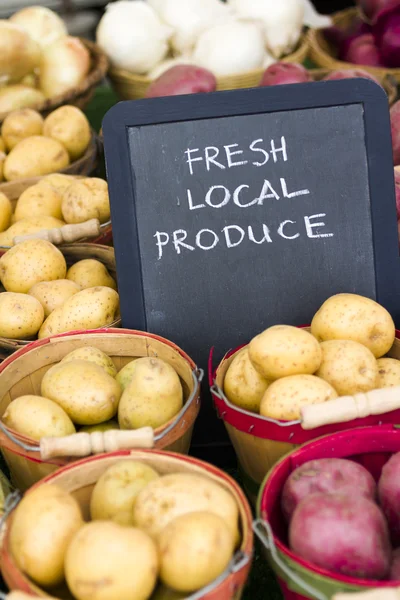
(92, 354)
(20, 316)
(243, 385)
(34, 156)
(53, 294)
(89, 273)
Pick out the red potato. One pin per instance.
(362, 50)
(394, 574)
(389, 496)
(346, 534)
(326, 475)
(350, 74)
(395, 127)
(182, 79)
(281, 73)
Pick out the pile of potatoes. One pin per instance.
(85, 391)
(54, 201)
(169, 534)
(44, 297)
(285, 368)
(31, 146)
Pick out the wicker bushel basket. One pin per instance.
(299, 579)
(130, 86)
(72, 253)
(23, 372)
(323, 54)
(79, 479)
(260, 442)
(80, 95)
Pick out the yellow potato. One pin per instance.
(21, 124)
(125, 375)
(36, 155)
(53, 294)
(15, 97)
(89, 272)
(69, 126)
(83, 389)
(25, 226)
(285, 397)
(243, 385)
(3, 157)
(39, 200)
(353, 317)
(284, 350)
(153, 396)
(90, 309)
(5, 212)
(86, 199)
(170, 496)
(2, 145)
(194, 549)
(45, 521)
(37, 417)
(92, 354)
(106, 561)
(28, 263)
(388, 372)
(20, 316)
(348, 366)
(52, 325)
(59, 181)
(115, 493)
(107, 426)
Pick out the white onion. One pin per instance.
(19, 54)
(64, 65)
(42, 24)
(313, 19)
(132, 36)
(230, 48)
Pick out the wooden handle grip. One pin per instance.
(97, 442)
(347, 408)
(64, 234)
(17, 595)
(377, 594)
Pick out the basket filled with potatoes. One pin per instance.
(46, 290)
(291, 384)
(32, 146)
(139, 525)
(91, 392)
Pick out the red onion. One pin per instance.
(386, 30)
(362, 50)
(370, 8)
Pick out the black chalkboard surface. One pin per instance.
(237, 210)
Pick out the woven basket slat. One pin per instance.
(324, 54)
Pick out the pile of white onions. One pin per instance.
(149, 36)
(38, 59)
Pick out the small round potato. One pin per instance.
(90, 309)
(36, 155)
(28, 263)
(285, 397)
(284, 350)
(92, 354)
(52, 325)
(125, 375)
(388, 372)
(89, 272)
(25, 226)
(53, 294)
(83, 389)
(39, 200)
(69, 126)
(44, 523)
(14, 97)
(348, 366)
(115, 492)
(5, 212)
(194, 550)
(86, 199)
(59, 181)
(243, 385)
(356, 318)
(106, 426)
(21, 316)
(21, 124)
(37, 417)
(106, 561)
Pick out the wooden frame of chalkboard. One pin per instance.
(124, 171)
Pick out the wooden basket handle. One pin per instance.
(347, 408)
(64, 234)
(377, 594)
(97, 442)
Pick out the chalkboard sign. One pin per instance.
(237, 210)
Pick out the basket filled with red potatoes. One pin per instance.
(293, 384)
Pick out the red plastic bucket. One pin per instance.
(260, 442)
(299, 579)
